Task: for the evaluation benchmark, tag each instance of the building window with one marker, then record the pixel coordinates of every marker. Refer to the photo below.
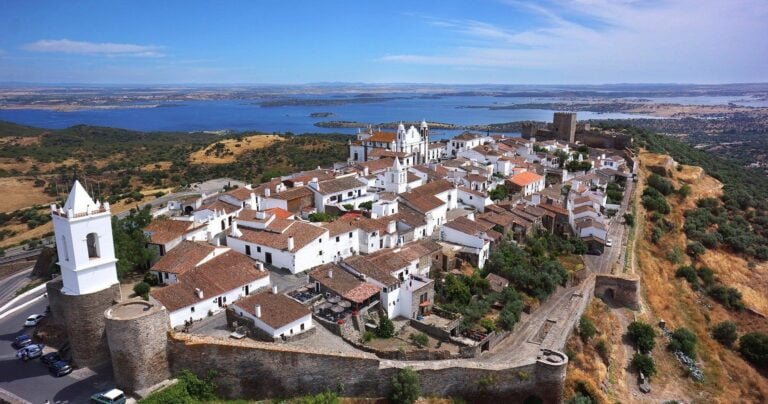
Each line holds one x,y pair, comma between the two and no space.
258,249
302,327
66,250
92,241
192,309
350,234
350,193
165,275
338,239
247,250
320,252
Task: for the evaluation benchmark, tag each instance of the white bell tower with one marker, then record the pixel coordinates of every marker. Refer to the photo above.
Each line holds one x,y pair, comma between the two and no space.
83,231
396,178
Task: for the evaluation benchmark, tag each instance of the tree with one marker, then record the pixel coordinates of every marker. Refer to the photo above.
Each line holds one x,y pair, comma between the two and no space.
684,191
683,340
405,387
629,219
642,336
386,328
725,333
688,273
130,241
141,289
754,347
498,193
456,291
587,328
728,297
695,249
644,364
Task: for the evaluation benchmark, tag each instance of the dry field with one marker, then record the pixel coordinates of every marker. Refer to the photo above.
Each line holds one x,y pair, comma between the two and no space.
232,149
19,192
9,164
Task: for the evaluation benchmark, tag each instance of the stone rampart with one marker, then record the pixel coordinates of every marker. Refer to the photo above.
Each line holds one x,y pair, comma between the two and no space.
256,370
623,290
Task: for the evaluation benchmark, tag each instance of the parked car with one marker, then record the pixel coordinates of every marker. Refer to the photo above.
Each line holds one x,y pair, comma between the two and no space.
33,320
113,396
21,341
60,368
30,351
50,358
609,243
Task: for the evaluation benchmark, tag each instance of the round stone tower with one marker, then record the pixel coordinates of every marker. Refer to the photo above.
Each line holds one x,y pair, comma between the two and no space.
137,334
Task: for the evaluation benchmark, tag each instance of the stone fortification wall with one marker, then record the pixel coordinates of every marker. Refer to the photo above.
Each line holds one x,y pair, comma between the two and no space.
625,291
137,333
256,370
84,321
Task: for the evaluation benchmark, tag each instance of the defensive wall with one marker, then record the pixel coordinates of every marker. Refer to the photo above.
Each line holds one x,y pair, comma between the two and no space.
623,290
256,370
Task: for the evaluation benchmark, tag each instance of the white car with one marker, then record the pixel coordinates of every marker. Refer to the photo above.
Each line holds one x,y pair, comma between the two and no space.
608,243
33,320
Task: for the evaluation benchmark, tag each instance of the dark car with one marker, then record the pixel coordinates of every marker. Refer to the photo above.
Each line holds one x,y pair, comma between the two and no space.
60,368
50,358
21,341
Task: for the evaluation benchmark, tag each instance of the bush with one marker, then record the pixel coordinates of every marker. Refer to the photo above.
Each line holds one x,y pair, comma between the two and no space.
695,249
327,397
661,184
643,364
321,217
642,336
725,333
142,289
367,336
689,274
602,349
348,206
684,191
674,255
488,324
405,388
587,328
365,205
150,279
580,398
386,328
189,389
706,275
728,297
683,340
754,347
421,340
629,219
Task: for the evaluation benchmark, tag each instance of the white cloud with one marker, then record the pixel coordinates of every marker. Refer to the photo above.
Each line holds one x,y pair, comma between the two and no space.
615,40
93,48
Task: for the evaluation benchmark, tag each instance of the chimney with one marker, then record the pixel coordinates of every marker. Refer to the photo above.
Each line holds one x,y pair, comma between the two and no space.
257,310
260,266
199,293
314,184
330,273
267,192
391,227
290,243
274,290
471,216
261,215
234,231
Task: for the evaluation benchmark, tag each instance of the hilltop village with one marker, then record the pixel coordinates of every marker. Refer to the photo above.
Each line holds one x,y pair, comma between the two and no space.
323,261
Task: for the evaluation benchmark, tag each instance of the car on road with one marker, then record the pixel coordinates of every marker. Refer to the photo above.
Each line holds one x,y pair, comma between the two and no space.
609,243
60,368
50,358
30,351
113,396
21,341
33,320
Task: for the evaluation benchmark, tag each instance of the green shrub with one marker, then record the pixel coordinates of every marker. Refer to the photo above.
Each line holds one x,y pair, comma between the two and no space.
683,340
488,324
706,275
642,336
754,347
644,363
684,191
386,328
327,397
366,205
405,387
601,346
321,217
689,274
142,289
587,328
367,336
189,389
580,398
348,206
629,219
728,297
695,249
674,255
420,340
725,333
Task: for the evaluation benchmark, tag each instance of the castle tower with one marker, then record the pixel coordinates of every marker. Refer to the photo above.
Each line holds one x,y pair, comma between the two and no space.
88,284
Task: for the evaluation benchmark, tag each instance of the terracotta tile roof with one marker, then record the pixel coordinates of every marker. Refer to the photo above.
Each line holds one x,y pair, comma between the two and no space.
421,203
241,194
221,274
584,208
466,136
375,166
476,178
277,309
472,191
162,231
340,226
437,145
280,213
184,257
409,216
378,265
382,137
585,222
343,283
306,176
379,152
277,234
504,219
271,185
467,226
338,185
293,193
219,206
554,208
250,215
417,249
525,178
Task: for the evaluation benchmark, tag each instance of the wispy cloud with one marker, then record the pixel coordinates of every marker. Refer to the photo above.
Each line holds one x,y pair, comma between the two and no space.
93,48
606,40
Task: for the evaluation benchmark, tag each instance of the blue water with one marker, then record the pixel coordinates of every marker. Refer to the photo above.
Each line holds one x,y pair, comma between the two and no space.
242,115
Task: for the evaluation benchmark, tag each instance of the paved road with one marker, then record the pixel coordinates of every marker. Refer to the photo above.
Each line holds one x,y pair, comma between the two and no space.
11,284
31,380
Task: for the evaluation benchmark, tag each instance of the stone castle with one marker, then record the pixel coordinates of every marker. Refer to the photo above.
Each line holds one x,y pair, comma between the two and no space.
564,127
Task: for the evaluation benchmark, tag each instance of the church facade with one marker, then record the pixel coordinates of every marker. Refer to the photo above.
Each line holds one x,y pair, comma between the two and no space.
410,145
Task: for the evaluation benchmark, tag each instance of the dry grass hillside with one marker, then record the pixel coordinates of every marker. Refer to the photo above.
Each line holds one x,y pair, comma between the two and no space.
728,378
227,150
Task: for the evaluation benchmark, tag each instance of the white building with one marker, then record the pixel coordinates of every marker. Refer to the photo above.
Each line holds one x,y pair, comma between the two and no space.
274,314
433,200
527,183
472,236
86,253
341,191
412,144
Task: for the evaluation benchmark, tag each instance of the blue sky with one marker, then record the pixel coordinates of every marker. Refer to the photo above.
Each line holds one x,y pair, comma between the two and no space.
446,41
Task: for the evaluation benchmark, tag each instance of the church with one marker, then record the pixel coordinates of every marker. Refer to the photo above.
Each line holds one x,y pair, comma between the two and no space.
411,146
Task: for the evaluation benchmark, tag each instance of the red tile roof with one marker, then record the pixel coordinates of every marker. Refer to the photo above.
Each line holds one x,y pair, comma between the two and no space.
277,310
184,257
525,178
